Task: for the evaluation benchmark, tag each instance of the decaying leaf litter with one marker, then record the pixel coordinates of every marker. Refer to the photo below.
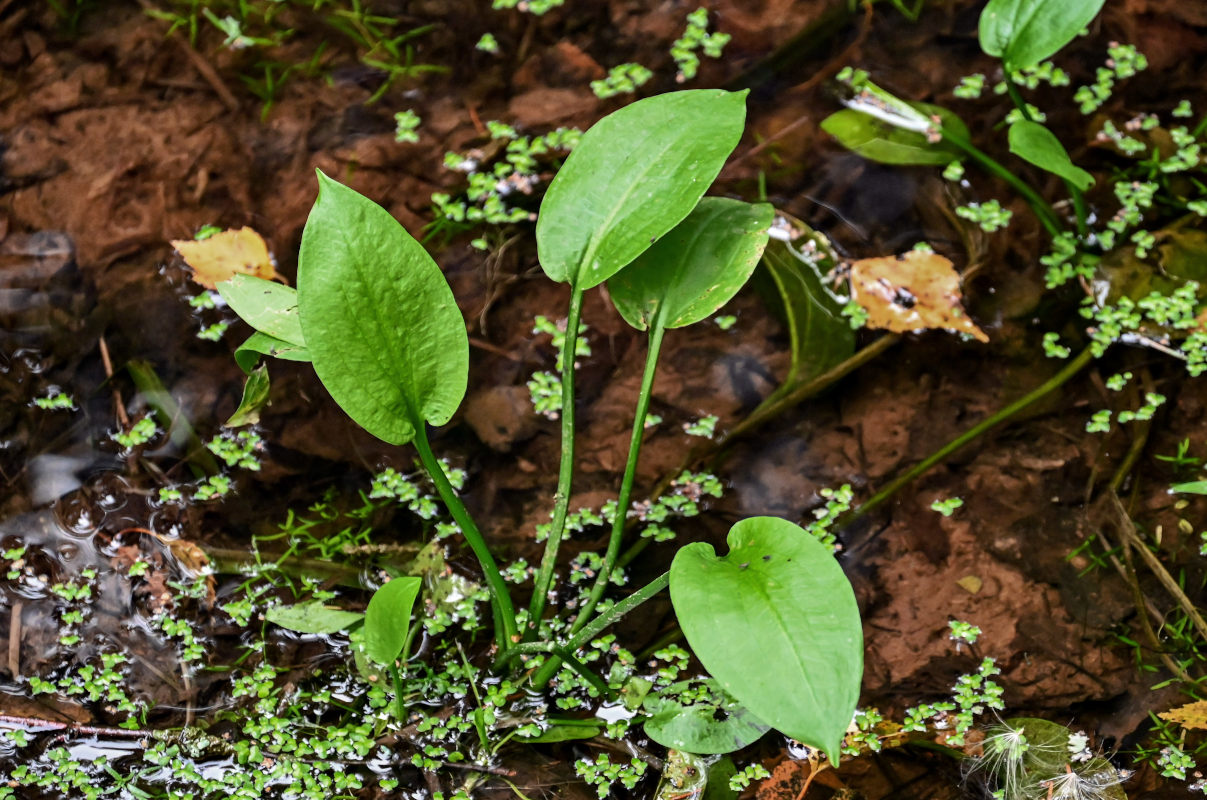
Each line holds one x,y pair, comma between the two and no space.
190,161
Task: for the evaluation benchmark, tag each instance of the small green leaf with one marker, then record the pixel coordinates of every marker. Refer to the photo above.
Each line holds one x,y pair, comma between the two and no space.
388,619
1033,142
695,268
266,306
312,617
632,177
565,731
819,334
722,725
878,140
255,397
259,344
1023,33
1194,487
380,322
776,623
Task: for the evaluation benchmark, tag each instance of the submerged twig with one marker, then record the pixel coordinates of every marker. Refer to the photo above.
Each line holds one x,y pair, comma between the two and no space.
1041,391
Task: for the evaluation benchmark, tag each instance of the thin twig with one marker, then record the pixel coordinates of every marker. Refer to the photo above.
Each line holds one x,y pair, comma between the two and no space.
119,406
1128,529
203,67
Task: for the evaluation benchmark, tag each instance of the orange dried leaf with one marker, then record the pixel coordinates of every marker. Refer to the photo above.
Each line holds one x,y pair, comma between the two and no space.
1192,716
226,254
915,291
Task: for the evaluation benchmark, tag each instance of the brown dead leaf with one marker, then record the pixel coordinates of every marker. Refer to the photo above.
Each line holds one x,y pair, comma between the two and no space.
915,291
1192,716
225,254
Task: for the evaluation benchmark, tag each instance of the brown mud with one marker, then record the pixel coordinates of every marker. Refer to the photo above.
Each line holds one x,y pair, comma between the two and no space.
115,139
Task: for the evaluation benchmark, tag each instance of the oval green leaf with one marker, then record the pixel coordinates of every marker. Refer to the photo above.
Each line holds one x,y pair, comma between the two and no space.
721,725
880,141
632,177
1033,142
380,321
266,306
388,619
1023,33
776,623
695,268
312,617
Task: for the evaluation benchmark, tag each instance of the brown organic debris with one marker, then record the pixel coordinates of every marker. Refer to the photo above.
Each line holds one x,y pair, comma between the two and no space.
226,254
915,291
1192,716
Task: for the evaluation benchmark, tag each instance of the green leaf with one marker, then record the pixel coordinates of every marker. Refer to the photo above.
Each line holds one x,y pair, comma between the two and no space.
255,397
266,306
388,619
718,780
262,344
721,725
565,731
312,617
1033,142
776,623
1023,33
695,268
380,322
881,141
819,334
632,177
1194,487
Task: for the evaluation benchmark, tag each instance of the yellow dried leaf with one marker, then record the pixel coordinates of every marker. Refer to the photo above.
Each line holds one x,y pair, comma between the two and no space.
225,254
1192,716
911,292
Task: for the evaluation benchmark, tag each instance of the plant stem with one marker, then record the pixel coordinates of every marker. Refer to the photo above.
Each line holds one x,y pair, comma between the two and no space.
561,500
1047,387
1047,216
777,403
626,484
500,598
400,709
599,624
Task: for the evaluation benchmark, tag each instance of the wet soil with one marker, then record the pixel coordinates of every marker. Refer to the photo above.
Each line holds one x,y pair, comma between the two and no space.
115,139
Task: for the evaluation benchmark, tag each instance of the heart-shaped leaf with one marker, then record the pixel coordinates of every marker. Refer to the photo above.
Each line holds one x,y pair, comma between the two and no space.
1033,142
879,140
266,306
312,617
1023,33
388,619
632,177
379,320
695,268
776,623
718,725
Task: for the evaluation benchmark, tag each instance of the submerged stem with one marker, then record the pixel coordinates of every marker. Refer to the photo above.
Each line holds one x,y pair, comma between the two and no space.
1047,387
500,598
626,484
561,501
1047,216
